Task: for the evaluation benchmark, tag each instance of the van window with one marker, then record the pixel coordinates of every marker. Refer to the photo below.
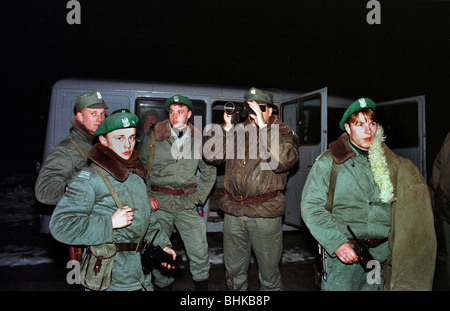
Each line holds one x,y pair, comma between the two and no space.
217,111
303,116
151,111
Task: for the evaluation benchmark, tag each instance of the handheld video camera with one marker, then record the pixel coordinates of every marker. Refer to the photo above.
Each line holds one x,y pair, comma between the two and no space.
234,108
238,110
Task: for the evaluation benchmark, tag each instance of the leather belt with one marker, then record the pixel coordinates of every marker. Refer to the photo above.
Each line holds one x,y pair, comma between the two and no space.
184,190
370,243
130,247
240,199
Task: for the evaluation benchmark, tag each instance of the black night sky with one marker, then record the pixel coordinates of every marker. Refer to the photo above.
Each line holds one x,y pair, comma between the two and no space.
296,45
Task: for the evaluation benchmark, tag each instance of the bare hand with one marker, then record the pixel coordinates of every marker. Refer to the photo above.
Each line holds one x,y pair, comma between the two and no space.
169,251
258,116
346,254
154,203
122,217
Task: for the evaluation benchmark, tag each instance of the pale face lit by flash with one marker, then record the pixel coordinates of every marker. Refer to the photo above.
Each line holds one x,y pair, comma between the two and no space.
121,141
179,116
362,132
91,118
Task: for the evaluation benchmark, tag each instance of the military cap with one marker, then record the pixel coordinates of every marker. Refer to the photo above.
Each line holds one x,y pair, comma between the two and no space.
355,107
179,100
119,119
258,96
90,100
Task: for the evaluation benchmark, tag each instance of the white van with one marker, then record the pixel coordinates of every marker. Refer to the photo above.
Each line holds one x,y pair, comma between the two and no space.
314,116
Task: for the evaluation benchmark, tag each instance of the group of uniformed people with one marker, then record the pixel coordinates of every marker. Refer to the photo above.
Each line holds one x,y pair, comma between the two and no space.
381,196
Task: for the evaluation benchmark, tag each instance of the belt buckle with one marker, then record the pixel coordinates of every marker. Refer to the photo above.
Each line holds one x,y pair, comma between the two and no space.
240,199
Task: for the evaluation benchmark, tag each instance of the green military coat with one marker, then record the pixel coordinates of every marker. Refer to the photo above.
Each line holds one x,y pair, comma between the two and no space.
173,168
83,216
407,222
62,165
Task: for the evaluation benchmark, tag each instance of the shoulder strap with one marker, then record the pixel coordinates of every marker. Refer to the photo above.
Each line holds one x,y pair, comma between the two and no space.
332,187
79,149
151,151
108,183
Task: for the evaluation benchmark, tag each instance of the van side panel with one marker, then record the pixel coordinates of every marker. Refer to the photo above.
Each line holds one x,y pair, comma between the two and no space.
125,94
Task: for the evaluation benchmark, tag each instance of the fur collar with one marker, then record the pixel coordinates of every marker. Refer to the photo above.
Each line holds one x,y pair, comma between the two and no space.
162,130
113,166
80,127
341,152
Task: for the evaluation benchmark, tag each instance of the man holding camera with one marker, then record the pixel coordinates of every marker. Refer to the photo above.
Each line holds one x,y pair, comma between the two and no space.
253,201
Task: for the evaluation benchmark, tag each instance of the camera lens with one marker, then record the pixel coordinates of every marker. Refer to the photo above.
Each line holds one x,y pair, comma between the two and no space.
229,107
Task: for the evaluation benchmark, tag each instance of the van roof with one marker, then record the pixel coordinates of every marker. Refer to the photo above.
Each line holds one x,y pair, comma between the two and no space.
211,90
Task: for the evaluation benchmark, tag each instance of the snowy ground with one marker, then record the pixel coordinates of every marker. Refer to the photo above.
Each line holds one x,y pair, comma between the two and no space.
16,224
20,243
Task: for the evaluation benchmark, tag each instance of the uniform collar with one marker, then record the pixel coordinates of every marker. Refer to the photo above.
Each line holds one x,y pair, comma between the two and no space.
113,165
81,128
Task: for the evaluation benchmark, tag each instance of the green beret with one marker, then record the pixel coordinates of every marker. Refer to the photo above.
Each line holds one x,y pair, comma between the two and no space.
258,96
179,100
119,119
91,100
355,107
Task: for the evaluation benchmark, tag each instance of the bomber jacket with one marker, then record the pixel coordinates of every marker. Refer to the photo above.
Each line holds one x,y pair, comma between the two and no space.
62,165
83,216
262,170
177,168
407,221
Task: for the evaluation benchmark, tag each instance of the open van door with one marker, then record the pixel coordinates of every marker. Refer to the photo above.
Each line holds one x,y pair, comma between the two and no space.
307,117
403,121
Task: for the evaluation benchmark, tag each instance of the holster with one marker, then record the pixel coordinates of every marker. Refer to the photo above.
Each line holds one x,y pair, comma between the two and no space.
76,253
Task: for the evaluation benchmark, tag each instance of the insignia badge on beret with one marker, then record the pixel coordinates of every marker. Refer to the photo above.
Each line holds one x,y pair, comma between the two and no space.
179,99
125,122
121,118
362,103
356,106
